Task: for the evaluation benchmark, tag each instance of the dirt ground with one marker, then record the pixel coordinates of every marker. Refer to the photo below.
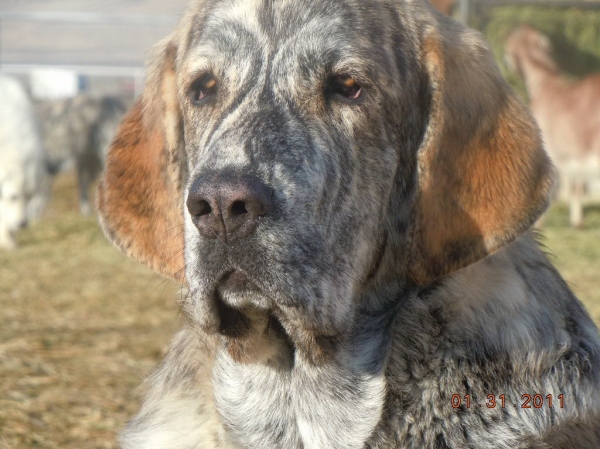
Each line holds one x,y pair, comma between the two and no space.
81,326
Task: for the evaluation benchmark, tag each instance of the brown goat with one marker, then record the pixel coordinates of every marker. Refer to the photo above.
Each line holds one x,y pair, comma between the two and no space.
568,113
444,6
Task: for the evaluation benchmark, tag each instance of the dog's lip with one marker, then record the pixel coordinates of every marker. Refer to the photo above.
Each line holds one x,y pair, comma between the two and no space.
236,280
239,289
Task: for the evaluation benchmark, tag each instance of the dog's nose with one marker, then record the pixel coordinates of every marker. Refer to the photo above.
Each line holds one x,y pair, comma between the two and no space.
23,224
227,206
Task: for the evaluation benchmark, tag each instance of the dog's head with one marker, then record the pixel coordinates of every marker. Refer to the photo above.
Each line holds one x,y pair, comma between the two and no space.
298,159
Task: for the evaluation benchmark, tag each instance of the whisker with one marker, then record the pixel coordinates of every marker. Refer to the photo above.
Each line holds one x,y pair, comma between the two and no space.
182,301
217,237
175,253
175,227
178,234
164,281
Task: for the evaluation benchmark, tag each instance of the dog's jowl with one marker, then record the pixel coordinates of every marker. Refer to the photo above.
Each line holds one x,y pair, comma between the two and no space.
345,188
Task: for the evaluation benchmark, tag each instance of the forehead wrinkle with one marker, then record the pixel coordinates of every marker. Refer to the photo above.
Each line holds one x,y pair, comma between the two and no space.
280,18
317,53
241,13
357,39
218,42
231,34
324,31
321,28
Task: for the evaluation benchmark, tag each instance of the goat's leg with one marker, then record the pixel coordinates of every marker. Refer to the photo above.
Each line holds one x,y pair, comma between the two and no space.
7,240
83,179
576,204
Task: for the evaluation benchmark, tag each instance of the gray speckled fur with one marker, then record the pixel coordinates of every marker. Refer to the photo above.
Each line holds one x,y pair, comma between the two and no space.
487,329
338,347
77,132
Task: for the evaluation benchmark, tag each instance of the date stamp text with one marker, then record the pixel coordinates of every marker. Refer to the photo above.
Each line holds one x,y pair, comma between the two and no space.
527,401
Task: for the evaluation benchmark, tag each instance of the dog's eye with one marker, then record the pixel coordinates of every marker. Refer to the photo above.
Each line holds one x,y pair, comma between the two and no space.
203,87
346,86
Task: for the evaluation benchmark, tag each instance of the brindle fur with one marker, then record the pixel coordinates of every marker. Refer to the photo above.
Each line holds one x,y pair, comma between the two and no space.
394,269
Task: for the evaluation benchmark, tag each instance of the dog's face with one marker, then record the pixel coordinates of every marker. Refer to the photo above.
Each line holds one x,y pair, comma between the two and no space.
293,97
319,154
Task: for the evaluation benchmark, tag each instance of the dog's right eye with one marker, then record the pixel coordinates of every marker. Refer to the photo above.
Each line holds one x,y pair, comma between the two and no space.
345,86
202,88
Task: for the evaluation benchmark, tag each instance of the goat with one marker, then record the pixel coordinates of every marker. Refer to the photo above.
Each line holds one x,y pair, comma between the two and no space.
568,114
24,186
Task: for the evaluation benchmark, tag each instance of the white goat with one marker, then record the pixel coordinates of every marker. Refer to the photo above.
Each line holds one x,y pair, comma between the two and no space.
23,173
568,113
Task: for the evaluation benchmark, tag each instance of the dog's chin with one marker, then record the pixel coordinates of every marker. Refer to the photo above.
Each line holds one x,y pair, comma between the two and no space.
254,329
237,290
244,318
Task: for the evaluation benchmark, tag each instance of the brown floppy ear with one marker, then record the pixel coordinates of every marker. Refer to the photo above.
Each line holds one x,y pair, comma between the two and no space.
140,196
483,175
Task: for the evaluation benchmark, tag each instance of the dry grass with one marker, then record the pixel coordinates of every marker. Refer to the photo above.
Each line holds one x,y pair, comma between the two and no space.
81,326
576,253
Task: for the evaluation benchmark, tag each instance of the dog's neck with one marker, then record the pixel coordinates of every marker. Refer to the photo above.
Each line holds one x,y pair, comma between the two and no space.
337,403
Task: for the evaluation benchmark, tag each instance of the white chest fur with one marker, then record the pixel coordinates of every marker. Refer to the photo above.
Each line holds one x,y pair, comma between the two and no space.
329,407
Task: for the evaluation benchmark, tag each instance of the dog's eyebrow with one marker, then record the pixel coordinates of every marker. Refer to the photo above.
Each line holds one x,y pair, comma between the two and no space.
215,44
355,66
198,60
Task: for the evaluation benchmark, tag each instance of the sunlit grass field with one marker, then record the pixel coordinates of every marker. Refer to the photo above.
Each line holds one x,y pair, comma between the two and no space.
81,325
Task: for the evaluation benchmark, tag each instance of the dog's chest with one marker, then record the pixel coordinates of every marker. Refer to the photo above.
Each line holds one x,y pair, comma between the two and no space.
325,408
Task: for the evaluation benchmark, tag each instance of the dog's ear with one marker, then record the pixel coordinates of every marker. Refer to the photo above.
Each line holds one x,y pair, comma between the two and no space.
483,175
139,196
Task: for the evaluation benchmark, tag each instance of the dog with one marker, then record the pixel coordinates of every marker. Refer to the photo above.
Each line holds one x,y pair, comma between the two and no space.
567,113
24,187
346,189
77,133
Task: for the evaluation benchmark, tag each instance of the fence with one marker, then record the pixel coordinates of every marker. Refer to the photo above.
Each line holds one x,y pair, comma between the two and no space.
88,44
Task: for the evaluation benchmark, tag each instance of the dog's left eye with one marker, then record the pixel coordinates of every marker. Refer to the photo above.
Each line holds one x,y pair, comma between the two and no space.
345,86
203,87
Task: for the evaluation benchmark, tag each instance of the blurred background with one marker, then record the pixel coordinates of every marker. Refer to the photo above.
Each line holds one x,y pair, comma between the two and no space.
81,326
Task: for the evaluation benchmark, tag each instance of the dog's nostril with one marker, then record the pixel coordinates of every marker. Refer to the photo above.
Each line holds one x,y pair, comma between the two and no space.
203,209
198,208
238,208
